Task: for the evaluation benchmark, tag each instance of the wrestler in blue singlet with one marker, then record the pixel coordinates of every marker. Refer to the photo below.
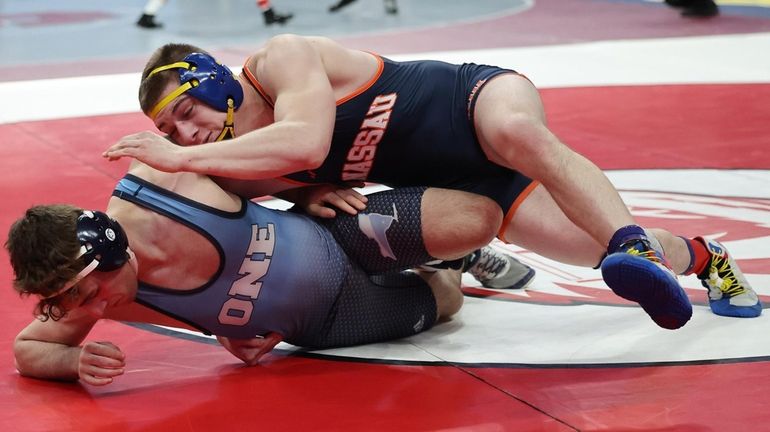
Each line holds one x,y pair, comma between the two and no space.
284,272
413,126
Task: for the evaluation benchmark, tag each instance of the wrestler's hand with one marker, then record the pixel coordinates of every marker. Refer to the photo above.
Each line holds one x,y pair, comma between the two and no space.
250,350
150,148
320,200
99,362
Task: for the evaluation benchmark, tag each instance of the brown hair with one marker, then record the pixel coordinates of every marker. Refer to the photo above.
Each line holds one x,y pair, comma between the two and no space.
43,247
151,88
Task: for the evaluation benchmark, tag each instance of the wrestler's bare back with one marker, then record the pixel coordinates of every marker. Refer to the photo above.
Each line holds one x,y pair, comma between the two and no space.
165,248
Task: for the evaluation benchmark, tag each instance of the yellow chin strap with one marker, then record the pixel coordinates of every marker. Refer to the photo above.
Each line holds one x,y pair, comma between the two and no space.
228,131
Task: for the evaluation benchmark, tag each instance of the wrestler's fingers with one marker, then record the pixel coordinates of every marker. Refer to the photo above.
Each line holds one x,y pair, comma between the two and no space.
320,211
122,152
247,351
103,362
99,376
251,356
353,193
94,371
95,380
266,345
104,349
339,202
114,149
353,198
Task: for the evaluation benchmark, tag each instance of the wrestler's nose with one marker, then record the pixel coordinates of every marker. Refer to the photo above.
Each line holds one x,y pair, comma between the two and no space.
187,133
96,308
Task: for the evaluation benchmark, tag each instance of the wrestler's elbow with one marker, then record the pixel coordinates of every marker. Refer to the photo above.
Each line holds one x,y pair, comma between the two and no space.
22,357
314,154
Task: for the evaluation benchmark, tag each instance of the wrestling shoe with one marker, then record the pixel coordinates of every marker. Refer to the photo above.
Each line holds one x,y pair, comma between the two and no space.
730,294
640,273
498,270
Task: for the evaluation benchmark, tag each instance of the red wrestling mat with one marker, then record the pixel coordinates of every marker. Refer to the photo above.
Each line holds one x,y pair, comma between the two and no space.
181,385
675,126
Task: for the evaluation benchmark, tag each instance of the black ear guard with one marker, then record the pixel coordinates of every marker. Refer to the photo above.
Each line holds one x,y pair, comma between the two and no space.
103,239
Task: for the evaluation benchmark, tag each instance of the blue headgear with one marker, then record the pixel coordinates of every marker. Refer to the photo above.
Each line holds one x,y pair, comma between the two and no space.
207,81
102,240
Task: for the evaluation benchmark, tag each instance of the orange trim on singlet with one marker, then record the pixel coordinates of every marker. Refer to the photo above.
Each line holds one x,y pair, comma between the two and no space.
254,82
257,86
368,84
515,206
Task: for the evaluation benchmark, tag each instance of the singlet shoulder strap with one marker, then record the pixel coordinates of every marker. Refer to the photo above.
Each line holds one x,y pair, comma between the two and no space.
365,86
257,86
177,207
255,83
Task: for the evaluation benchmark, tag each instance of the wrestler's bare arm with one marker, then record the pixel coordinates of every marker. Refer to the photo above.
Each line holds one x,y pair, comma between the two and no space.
51,350
292,72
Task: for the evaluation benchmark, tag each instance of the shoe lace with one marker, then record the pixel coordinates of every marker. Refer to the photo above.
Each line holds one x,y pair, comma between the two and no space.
642,249
488,266
721,276
649,254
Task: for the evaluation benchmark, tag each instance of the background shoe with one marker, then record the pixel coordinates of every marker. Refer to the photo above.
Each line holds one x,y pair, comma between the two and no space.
271,17
339,5
390,7
700,9
730,294
640,275
678,3
498,270
148,22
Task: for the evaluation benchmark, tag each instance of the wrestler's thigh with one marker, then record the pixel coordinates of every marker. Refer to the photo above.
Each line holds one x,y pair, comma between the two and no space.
505,99
540,226
367,312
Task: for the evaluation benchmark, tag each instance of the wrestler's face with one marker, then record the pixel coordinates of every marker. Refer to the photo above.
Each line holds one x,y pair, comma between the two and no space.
188,121
99,291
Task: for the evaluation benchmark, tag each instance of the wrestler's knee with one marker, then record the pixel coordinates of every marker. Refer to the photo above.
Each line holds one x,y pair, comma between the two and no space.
487,217
521,130
460,216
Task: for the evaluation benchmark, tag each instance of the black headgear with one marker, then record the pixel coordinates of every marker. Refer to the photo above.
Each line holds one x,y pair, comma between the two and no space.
103,239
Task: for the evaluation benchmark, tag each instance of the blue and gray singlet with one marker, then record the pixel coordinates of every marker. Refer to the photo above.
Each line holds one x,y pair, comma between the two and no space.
286,273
